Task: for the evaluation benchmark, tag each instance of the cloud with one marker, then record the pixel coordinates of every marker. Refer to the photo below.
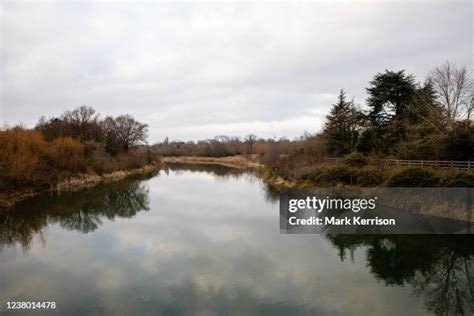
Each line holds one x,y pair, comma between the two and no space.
196,70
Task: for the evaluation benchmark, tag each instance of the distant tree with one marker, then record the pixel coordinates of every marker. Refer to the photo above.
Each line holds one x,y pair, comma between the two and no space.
218,149
250,141
123,132
83,123
222,138
390,95
52,128
454,88
340,130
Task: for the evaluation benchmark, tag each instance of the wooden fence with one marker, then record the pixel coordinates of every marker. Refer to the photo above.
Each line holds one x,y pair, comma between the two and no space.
432,163
445,164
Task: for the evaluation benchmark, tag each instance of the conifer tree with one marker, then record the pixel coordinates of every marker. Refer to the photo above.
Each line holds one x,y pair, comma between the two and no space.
390,95
340,130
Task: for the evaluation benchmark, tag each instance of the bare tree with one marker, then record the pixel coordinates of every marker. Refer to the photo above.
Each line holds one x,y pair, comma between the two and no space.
123,132
250,140
470,107
453,86
82,123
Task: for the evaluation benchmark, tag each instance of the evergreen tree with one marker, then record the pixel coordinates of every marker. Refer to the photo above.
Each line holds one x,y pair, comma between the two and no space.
340,130
391,104
390,95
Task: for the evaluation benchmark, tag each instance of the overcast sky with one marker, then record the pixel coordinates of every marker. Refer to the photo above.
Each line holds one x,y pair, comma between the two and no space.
193,71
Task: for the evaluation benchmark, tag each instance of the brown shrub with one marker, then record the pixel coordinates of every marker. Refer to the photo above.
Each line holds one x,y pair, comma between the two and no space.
67,154
21,152
28,160
101,162
131,160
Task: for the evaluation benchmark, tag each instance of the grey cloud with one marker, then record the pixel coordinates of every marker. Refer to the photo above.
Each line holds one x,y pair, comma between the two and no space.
197,70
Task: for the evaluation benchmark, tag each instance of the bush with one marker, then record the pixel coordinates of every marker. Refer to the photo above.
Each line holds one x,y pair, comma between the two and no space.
356,159
130,160
101,162
370,176
21,152
67,154
28,160
367,141
330,175
413,177
459,144
459,179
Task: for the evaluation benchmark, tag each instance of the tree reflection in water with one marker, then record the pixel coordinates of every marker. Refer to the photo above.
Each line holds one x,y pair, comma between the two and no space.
219,171
440,268
81,210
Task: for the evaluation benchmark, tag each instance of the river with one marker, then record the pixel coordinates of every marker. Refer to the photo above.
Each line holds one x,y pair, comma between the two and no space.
205,240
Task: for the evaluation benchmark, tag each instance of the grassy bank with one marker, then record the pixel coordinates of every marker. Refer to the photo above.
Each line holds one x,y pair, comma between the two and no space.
239,162
351,173
328,175
357,171
10,197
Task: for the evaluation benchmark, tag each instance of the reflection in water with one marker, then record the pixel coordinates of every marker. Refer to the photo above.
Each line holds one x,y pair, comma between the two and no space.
210,244
440,268
215,170
220,172
82,210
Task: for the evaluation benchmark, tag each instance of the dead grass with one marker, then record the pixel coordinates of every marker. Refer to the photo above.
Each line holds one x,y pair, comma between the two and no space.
10,198
239,162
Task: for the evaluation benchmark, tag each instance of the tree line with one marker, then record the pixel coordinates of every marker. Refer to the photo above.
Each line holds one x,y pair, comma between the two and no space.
401,119
76,142
406,119
117,134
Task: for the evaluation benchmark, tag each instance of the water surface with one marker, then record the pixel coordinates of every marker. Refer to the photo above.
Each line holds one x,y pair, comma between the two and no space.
205,240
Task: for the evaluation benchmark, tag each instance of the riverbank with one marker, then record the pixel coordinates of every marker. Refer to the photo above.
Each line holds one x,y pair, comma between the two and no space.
287,174
340,175
239,162
8,198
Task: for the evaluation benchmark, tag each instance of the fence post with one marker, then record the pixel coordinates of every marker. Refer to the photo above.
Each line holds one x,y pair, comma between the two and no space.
409,162
452,164
469,165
